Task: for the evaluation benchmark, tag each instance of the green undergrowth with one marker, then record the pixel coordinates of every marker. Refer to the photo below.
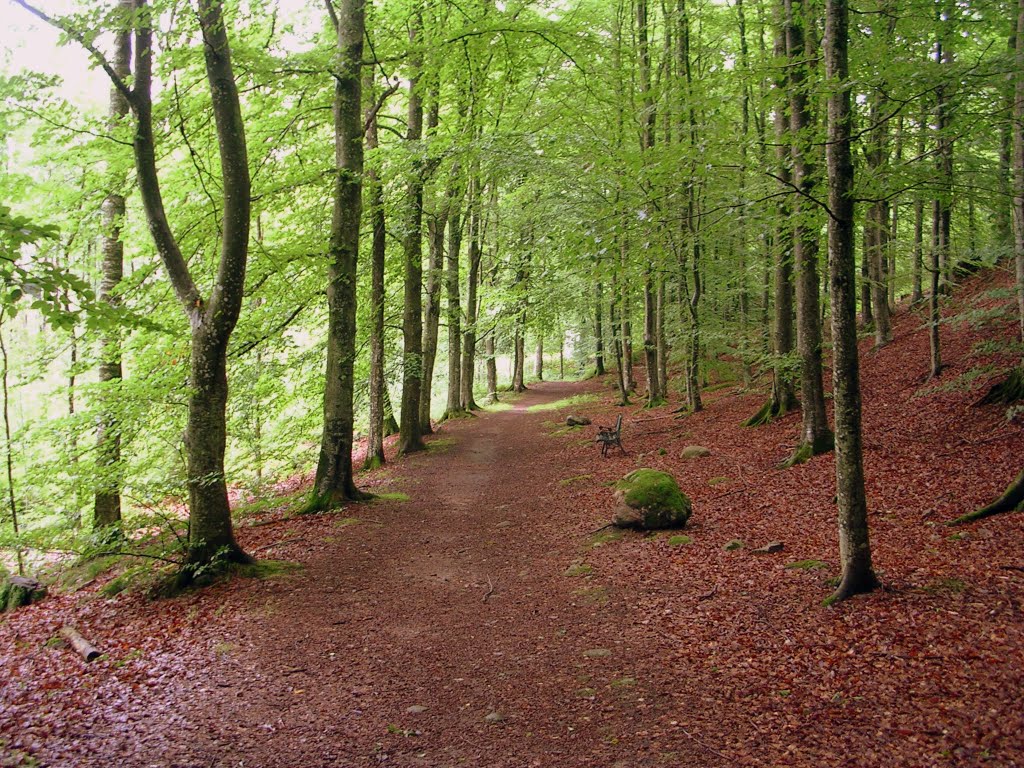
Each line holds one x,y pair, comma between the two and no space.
287,502
566,402
679,540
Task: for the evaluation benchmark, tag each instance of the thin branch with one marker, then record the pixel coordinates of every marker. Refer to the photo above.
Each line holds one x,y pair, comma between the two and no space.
65,26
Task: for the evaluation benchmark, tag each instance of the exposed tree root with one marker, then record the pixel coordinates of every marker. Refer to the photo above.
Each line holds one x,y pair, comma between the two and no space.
853,584
1011,500
805,451
770,411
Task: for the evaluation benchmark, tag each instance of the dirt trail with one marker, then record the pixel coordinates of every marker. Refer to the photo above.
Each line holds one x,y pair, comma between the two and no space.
405,638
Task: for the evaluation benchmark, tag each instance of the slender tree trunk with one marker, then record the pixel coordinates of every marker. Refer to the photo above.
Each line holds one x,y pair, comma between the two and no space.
538,358
492,368
410,432
598,329
8,445
815,437
659,329
378,387
468,376
107,501
454,315
1018,166
432,313
620,369
854,545
334,482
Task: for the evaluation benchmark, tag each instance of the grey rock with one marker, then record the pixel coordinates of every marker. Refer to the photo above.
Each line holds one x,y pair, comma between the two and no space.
770,548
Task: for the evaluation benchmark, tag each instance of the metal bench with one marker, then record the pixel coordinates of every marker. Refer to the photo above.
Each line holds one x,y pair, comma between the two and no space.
609,436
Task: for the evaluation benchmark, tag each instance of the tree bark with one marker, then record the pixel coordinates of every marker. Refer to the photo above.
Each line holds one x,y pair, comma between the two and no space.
599,329
492,368
436,226
378,387
410,433
468,375
453,314
854,545
1018,164
334,482
107,501
816,437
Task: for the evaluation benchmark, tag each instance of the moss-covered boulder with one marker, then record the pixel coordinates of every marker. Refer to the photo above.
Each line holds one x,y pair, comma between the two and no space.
648,500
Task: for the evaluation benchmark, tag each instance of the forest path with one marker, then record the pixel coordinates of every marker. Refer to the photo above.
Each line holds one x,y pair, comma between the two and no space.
422,622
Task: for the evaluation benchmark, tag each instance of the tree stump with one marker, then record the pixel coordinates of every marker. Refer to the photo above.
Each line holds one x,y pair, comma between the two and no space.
17,591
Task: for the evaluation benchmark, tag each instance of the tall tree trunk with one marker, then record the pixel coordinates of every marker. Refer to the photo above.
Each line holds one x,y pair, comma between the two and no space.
432,312
1018,164
816,437
12,500
107,501
334,482
783,396
662,341
620,368
378,387
454,314
468,375
492,368
854,545
410,432
598,329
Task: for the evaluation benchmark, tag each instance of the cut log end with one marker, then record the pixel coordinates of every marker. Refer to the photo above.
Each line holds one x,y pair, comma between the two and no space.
81,646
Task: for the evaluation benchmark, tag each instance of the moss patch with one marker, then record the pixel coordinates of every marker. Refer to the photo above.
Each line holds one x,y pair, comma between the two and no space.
807,565
605,537
567,402
650,499
267,569
678,541
579,569
440,444
575,479
391,496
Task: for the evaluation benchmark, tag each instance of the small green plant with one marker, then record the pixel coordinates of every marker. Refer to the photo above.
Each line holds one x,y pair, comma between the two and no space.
605,537
579,569
679,540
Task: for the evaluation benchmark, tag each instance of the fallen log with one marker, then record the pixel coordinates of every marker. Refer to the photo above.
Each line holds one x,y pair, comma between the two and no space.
82,647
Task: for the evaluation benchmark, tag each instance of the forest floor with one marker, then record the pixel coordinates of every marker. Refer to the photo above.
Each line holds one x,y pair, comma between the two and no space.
486,621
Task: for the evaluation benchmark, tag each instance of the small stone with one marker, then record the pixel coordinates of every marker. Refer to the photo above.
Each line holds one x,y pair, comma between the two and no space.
770,548
597,653
494,717
577,421
694,452
415,709
733,545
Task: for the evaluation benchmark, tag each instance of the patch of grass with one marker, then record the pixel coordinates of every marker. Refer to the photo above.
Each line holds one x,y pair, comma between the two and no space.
391,496
596,595
267,569
579,569
719,480
574,479
440,444
55,642
605,537
565,430
807,565
84,571
223,648
345,522
566,402
287,502
623,682
949,585
679,540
